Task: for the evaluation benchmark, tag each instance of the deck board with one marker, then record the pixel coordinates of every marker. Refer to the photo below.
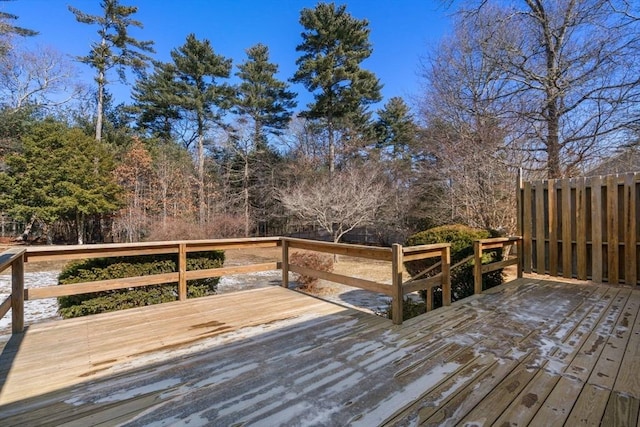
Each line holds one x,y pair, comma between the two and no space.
529,352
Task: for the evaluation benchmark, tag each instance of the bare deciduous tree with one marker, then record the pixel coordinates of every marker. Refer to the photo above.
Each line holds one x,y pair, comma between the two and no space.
568,69
42,78
467,109
337,203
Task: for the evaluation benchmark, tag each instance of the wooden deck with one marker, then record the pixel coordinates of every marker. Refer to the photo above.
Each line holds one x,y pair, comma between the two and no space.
529,352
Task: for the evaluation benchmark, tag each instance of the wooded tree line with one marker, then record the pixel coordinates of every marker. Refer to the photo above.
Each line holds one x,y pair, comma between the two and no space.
548,86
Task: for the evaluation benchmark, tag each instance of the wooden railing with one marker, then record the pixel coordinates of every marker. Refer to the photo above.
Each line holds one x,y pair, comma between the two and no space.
396,255
14,258
479,246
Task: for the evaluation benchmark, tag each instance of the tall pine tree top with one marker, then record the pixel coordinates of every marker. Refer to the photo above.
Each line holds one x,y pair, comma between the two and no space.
334,44
116,48
261,95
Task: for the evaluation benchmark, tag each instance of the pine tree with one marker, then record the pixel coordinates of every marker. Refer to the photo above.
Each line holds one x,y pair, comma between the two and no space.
334,45
268,103
116,48
60,174
153,102
396,131
198,93
261,95
7,29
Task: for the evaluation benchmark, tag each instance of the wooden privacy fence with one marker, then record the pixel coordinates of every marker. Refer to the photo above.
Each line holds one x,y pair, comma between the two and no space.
15,258
586,228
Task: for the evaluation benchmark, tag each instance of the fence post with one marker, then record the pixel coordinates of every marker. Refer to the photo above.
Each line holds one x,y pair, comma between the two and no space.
396,283
17,295
520,258
519,219
285,263
446,275
182,271
477,267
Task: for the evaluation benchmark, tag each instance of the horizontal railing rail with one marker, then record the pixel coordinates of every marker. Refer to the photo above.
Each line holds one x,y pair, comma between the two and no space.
358,251
479,246
441,280
397,255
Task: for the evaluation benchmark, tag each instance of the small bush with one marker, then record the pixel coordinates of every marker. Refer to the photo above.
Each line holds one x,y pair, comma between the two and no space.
122,267
461,238
314,261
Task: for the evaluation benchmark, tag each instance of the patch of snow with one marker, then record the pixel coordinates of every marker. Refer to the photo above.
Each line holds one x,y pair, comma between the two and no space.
230,372
34,311
125,394
241,282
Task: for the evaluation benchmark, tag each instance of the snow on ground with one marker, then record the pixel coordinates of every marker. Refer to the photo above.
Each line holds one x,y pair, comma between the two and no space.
34,311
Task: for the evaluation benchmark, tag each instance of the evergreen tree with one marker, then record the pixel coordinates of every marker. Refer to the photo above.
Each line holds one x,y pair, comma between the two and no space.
334,44
7,29
268,104
154,104
396,131
116,48
197,92
261,96
60,174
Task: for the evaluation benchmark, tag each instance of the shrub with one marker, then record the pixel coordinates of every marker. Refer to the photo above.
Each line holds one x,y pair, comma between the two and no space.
461,238
314,261
122,267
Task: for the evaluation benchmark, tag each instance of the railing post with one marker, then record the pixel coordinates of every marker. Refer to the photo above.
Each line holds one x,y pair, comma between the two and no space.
520,257
17,295
446,275
396,283
285,263
477,267
182,271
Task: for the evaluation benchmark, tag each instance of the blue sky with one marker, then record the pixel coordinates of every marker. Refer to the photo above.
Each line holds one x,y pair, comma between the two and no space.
401,31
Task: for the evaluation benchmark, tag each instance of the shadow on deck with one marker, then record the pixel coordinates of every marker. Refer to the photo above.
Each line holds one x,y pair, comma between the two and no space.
528,352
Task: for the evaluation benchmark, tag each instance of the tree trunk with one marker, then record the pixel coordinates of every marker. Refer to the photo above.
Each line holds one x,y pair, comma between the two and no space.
245,185
80,227
201,202
100,106
553,116
24,237
332,147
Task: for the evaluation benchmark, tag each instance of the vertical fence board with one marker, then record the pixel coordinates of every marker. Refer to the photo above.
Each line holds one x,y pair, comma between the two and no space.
581,228
612,229
526,227
567,259
596,230
519,216
553,228
630,244
540,229
590,224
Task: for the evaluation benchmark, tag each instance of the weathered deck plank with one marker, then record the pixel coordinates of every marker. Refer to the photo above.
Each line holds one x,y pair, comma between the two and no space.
527,352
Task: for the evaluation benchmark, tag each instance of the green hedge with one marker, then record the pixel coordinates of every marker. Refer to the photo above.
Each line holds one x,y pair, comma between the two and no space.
461,238
122,267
